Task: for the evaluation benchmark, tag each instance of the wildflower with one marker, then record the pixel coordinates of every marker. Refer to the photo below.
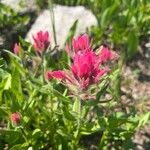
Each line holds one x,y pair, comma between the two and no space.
15,118
41,41
84,71
57,74
17,48
106,55
48,75
80,44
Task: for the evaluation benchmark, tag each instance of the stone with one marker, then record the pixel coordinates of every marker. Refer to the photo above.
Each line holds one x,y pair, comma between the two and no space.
64,19
1,40
147,51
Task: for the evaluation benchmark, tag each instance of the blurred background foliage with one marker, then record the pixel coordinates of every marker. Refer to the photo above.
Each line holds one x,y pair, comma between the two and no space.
13,23
123,25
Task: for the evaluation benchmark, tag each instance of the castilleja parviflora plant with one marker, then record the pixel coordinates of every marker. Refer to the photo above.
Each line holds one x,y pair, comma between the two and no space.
52,100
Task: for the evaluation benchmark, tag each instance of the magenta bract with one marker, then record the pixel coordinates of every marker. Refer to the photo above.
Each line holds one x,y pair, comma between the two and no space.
41,41
86,70
80,44
17,49
107,55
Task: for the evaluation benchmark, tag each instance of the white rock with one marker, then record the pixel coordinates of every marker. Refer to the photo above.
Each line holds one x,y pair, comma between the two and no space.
64,19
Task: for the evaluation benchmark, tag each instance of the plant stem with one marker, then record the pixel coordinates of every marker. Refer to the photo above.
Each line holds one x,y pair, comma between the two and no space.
50,3
43,67
24,135
77,136
101,144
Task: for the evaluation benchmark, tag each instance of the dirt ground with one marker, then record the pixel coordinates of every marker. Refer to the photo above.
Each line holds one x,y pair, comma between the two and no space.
136,87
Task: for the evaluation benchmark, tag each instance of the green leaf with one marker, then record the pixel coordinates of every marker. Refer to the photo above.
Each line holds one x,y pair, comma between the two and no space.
102,91
72,31
91,127
108,14
77,106
144,119
114,75
16,147
64,134
16,62
26,119
68,115
12,55
23,146
16,86
4,111
36,133
25,44
1,62
105,18
132,44
60,96
7,80
9,136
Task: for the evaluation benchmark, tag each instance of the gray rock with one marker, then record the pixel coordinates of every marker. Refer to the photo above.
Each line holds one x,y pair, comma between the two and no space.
21,5
147,52
64,19
1,40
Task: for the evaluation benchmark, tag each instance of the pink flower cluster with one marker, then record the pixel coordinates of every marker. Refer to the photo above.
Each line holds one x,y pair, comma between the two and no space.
41,41
80,44
87,67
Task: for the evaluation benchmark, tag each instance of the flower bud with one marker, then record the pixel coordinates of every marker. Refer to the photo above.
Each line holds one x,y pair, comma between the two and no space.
41,41
15,118
80,44
17,48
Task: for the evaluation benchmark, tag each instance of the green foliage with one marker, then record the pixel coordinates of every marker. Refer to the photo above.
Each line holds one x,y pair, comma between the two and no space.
50,118
11,23
72,32
9,17
121,24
